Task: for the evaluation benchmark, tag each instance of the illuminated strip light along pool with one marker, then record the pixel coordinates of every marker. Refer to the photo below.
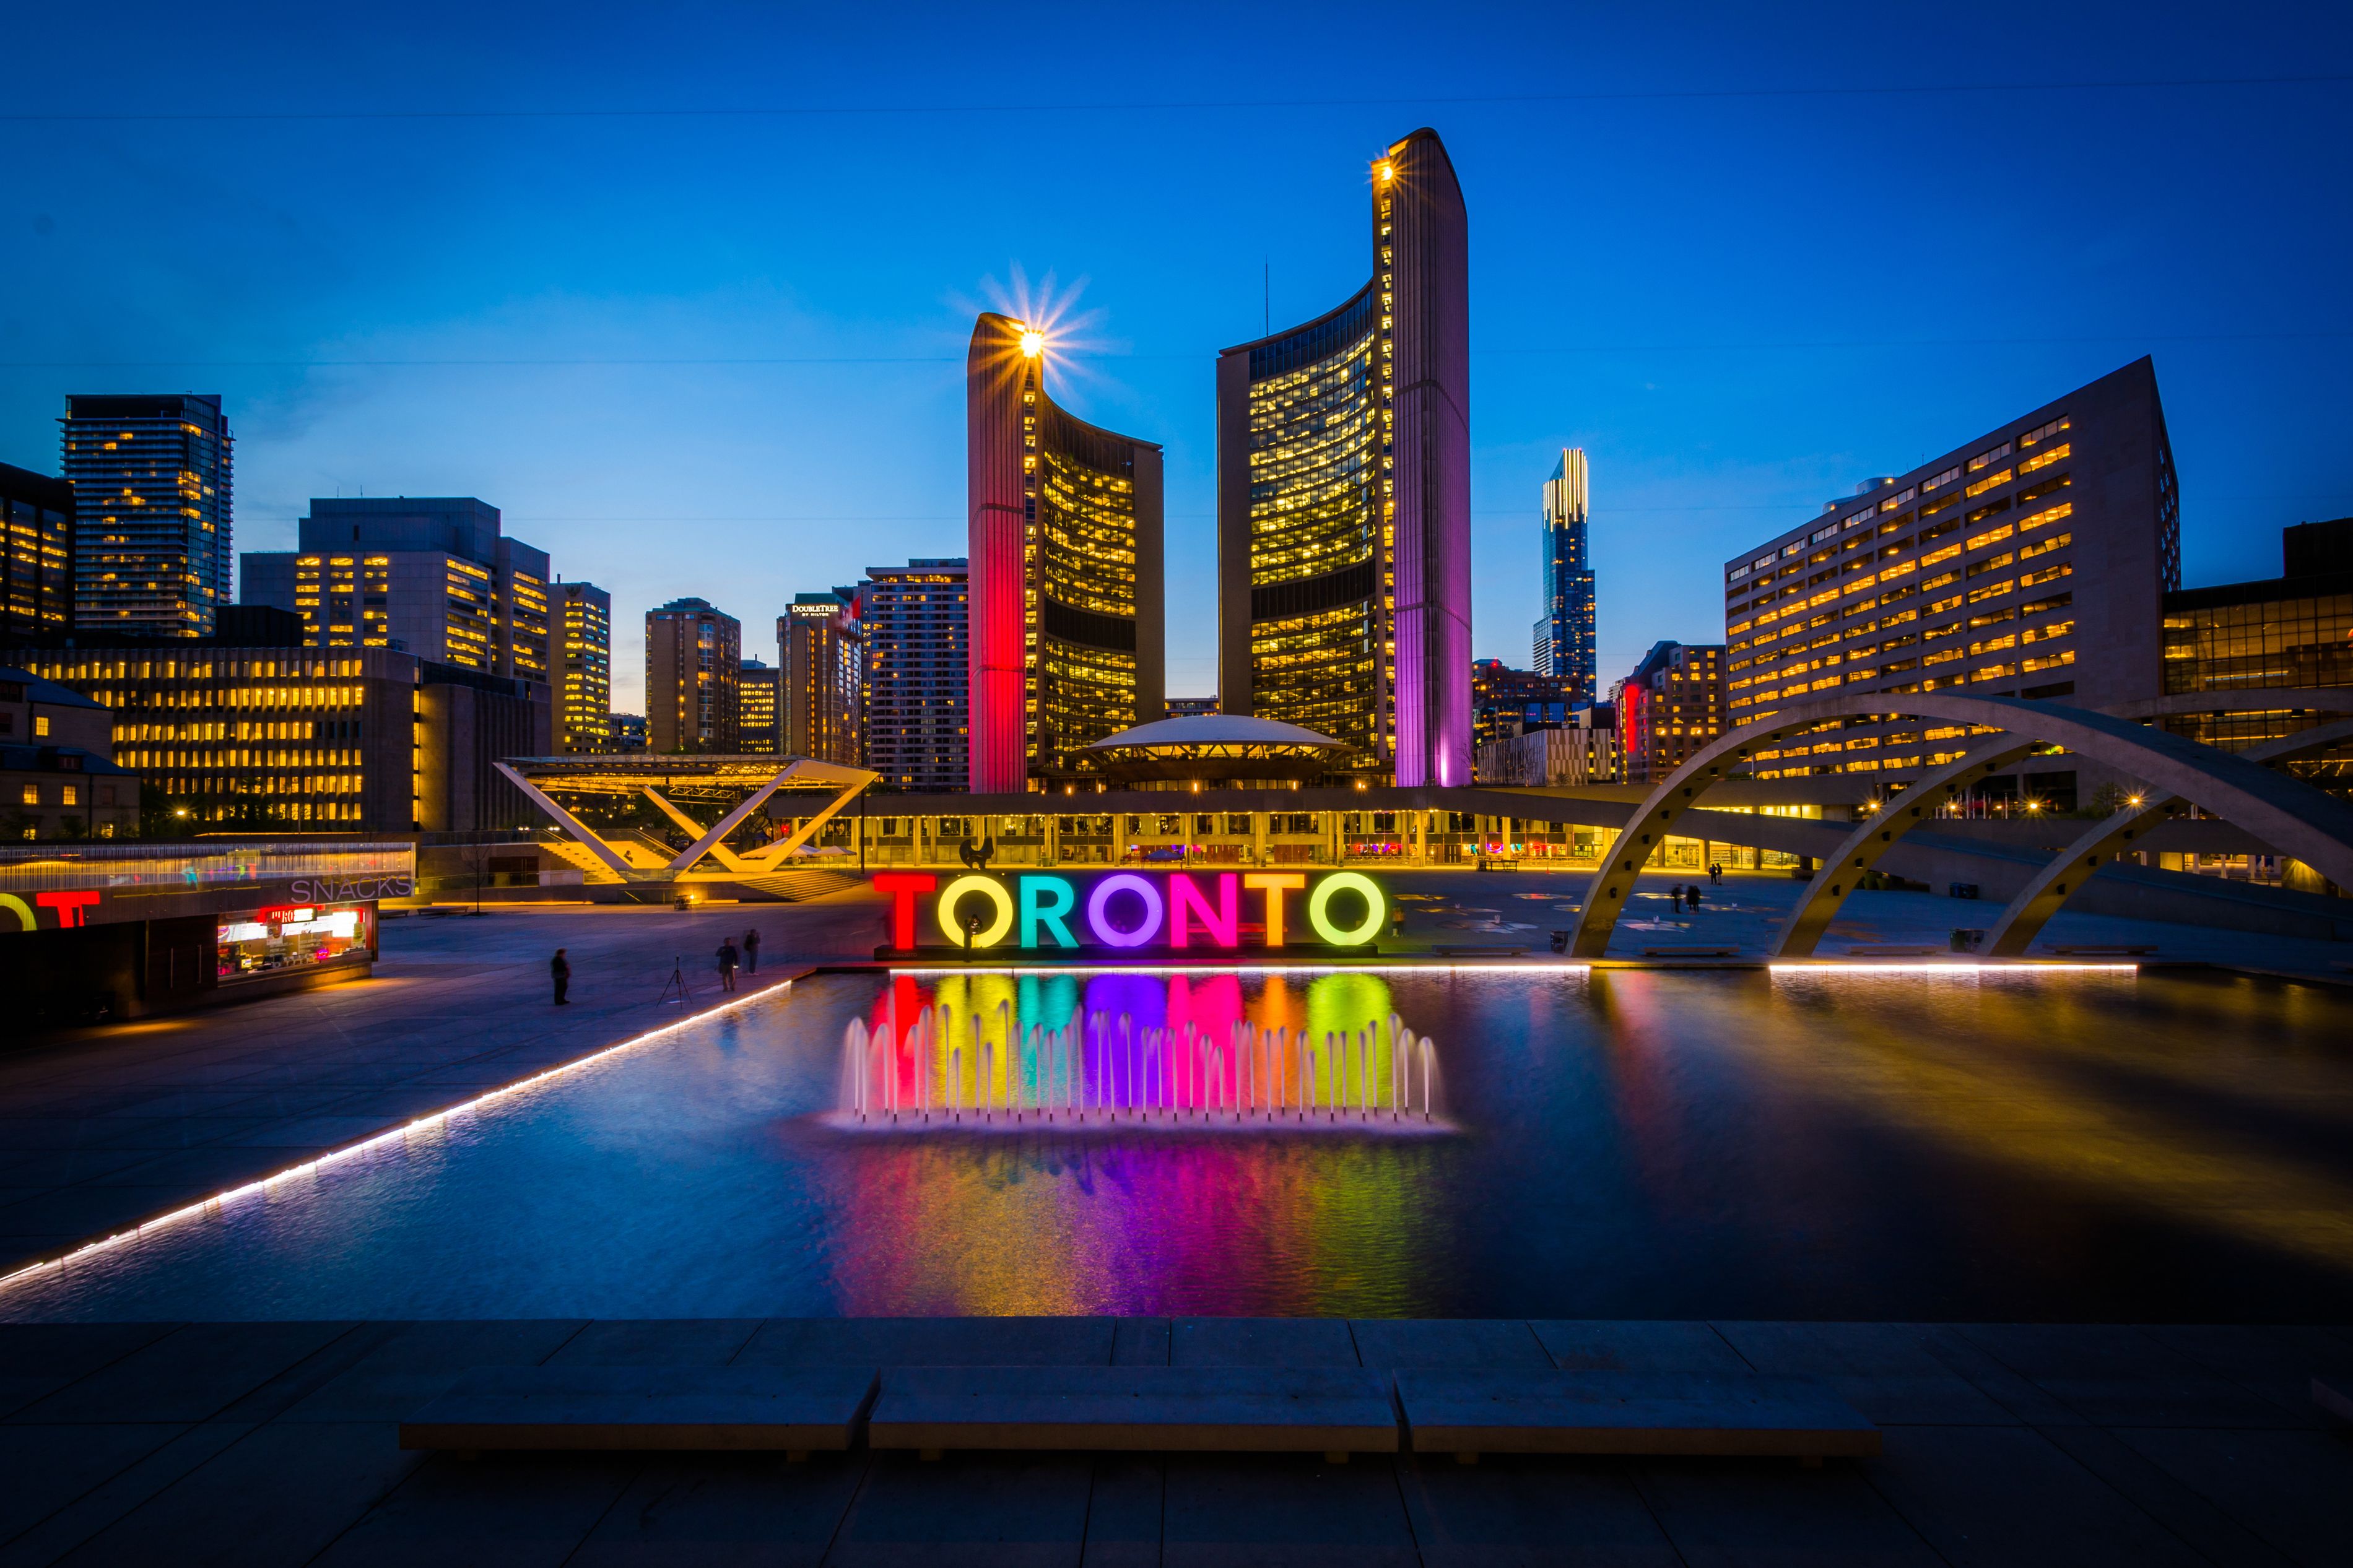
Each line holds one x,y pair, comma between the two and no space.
944,1070
370,1145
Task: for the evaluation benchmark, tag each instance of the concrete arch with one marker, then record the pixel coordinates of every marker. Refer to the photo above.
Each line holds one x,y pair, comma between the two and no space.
2299,820
2023,918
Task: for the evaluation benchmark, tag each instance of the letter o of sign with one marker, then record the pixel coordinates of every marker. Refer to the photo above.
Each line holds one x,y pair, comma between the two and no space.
1098,911
1319,904
988,888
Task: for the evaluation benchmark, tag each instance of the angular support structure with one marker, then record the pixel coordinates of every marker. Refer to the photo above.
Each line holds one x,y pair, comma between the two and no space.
2285,813
1867,844
710,778
774,856
719,852
569,823
2023,918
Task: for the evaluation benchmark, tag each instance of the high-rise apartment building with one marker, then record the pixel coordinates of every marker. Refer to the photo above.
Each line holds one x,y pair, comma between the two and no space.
1067,643
153,512
759,697
1563,643
2031,562
36,567
1668,708
433,576
822,647
694,655
585,690
1343,497
918,688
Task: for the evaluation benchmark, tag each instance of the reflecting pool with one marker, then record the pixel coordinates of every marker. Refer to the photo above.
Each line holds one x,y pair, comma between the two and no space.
1630,1143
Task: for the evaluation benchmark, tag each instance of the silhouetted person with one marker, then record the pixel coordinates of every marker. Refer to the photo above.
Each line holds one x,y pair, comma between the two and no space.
1692,893
727,964
1676,893
751,952
1715,872
561,972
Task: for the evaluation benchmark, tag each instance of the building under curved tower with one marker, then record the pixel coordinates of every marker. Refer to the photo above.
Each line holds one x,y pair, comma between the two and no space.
1344,496
1066,571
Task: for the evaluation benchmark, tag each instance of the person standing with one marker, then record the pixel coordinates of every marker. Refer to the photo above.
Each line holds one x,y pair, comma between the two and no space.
561,972
752,951
1676,893
1692,894
1715,872
727,963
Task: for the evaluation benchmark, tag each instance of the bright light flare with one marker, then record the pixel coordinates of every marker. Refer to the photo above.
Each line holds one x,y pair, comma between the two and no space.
1033,342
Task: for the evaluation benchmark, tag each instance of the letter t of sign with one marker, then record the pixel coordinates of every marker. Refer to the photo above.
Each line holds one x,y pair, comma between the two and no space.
1274,884
70,906
902,887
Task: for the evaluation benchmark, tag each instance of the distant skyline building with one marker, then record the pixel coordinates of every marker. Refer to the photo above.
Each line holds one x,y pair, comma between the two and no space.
1507,703
430,575
1344,496
759,693
1065,527
694,656
1563,639
1670,705
583,703
820,708
154,513
1963,574
917,686
629,733
1191,707
36,565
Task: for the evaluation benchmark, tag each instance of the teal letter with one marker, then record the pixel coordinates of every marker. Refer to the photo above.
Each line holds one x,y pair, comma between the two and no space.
1044,901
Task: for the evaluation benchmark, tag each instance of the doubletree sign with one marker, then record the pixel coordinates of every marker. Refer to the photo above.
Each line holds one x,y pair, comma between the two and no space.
1128,911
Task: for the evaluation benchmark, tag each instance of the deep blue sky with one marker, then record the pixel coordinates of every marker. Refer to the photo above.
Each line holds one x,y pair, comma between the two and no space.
1739,292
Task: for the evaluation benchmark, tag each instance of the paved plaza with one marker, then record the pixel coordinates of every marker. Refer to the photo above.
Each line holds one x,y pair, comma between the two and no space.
260,1444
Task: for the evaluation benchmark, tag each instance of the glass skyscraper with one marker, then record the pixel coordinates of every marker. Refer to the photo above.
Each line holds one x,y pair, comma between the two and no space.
1343,497
1066,570
1564,633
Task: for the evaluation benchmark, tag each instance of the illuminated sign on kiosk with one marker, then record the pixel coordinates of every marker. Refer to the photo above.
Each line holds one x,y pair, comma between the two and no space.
1184,912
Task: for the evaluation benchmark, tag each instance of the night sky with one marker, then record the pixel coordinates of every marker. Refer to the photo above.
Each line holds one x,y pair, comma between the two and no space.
685,290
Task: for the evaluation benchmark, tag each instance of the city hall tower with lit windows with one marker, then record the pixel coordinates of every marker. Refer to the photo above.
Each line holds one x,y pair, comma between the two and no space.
1343,497
1066,634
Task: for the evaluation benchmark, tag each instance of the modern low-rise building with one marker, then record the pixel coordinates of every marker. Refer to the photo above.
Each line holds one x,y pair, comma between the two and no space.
1191,707
917,690
2031,560
820,703
1065,527
430,577
36,565
629,733
1344,496
153,511
1670,705
584,669
59,779
694,656
1582,751
276,739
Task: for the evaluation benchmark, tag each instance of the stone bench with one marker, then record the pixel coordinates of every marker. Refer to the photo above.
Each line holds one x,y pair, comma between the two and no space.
1893,950
1691,952
1333,1411
796,1409
1512,1411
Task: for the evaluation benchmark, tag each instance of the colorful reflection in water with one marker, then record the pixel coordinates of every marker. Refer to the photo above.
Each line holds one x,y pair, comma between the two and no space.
2164,1147
1126,1049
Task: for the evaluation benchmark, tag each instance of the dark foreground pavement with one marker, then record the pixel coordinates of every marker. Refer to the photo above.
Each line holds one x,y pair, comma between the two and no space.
275,1443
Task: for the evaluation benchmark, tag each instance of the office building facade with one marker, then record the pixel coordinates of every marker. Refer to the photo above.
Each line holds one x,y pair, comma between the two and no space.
629,735
759,699
1066,596
820,707
1506,702
694,654
431,576
226,738
36,564
917,685
583,695
1670,705
2289,633
153,511
58,778
1962,575
1563,641
1581,751
1343,497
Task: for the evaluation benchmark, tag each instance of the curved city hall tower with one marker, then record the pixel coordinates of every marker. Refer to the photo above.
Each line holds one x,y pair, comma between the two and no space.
1066,570
1343,497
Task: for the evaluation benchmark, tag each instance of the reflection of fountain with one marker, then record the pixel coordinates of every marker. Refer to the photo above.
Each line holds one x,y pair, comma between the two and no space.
924,1063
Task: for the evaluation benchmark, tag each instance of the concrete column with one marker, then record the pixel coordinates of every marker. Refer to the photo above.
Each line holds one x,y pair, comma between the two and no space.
1257,838
1118,838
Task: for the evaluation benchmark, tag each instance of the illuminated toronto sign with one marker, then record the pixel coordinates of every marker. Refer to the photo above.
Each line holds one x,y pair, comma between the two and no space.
1178,912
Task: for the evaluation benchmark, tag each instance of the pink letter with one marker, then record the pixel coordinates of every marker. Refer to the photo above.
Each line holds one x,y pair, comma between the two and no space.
1222,925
